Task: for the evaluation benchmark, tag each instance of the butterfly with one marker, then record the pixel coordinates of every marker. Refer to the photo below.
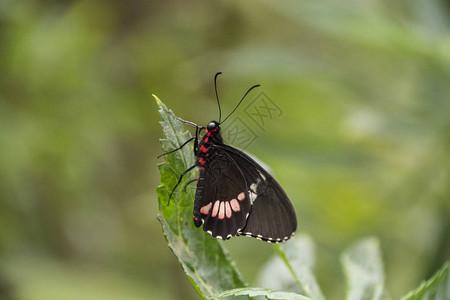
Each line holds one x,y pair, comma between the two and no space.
235,196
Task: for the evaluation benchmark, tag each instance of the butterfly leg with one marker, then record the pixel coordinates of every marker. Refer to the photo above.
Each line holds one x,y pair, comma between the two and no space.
179,180
196,140
192,124
179,148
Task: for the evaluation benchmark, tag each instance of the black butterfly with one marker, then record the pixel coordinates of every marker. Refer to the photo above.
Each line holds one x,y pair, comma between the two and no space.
235,195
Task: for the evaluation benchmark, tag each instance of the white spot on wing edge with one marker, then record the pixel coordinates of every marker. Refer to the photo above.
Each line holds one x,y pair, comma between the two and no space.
266,239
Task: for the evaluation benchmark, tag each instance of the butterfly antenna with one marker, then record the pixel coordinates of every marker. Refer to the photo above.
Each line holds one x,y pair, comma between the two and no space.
217,95
255,86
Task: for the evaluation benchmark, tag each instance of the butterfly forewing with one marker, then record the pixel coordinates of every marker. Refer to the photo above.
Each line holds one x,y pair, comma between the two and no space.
272,217
222,203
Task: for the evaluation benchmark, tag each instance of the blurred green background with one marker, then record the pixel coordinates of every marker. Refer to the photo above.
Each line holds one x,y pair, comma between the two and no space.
362,148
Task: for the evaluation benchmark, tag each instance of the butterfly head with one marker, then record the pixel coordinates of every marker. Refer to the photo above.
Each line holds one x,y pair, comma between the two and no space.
213,126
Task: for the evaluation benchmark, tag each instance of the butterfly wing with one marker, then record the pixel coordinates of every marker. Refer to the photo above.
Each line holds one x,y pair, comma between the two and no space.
272,217
222,201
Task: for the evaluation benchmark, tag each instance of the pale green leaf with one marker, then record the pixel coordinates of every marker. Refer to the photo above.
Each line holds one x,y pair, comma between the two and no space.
298,255
268,293
437,288
364,270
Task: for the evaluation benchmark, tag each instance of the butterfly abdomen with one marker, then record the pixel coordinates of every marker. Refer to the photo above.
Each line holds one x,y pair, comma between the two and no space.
198,195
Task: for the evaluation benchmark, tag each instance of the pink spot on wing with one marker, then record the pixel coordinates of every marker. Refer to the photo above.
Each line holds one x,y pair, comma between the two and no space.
222,210
241,196
235,205
205,209
228,211
215,209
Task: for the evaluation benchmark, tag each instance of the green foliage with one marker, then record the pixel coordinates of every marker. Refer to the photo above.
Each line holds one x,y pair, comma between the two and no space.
213,273
300,258
362,147
268,293
364,269
437,288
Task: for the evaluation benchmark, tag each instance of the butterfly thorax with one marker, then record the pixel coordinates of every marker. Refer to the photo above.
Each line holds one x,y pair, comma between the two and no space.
206,146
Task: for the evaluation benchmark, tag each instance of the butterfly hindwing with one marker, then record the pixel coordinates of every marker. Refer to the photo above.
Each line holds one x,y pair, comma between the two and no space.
272,217
222,202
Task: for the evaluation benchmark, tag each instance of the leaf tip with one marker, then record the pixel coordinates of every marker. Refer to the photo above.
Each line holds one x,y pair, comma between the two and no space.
158,101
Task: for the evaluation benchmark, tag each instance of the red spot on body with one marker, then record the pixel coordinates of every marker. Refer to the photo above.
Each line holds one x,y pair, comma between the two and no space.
215,209
203,148
241,196
235,205
195,218
201,161
206,139
202,169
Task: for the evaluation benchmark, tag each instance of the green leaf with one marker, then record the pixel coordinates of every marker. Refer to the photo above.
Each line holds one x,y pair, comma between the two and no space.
268,293
364,270
437,288
202,257
276,275
298,255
